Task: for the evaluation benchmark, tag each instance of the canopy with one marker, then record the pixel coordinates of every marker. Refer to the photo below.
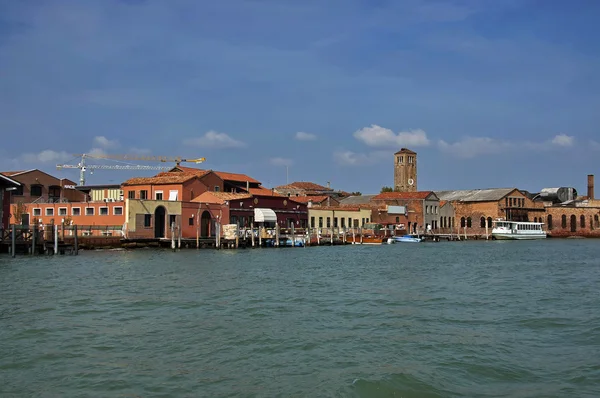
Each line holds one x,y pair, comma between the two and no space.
264,215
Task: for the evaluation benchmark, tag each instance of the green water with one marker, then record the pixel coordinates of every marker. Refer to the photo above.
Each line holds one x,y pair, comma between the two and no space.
472,319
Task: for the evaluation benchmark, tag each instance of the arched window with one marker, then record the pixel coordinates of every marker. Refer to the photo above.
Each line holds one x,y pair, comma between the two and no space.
534,219
573,223
541,219
489,220
596,221
549,221
582,221
469,224
564,221
591,223
482,222
462,222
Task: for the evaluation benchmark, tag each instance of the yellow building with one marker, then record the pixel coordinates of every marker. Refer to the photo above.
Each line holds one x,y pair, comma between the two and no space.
338,217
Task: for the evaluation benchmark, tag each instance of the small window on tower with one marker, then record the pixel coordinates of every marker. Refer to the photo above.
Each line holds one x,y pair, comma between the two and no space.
400,159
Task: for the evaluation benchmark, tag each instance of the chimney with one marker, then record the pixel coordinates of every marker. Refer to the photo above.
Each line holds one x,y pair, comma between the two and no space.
590,192
328,184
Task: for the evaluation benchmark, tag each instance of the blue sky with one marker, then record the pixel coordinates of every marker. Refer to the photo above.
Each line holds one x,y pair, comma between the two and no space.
489,93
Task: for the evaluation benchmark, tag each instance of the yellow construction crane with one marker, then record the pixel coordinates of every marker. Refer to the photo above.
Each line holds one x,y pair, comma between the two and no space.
83,166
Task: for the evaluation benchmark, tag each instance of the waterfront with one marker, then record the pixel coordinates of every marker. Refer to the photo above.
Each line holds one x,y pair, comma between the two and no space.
426,320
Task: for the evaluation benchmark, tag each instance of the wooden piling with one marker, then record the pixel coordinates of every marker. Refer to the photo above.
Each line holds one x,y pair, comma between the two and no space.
55,239
198,236
332,234
237,237
252,233
360,231
486,231
179,235
277,235
173,236
33,243
13,239
353,236
75,240
260,232
318,236
293,237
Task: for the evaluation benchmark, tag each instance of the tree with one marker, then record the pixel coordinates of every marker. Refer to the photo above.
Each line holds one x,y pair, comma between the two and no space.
19,210
387,189
357,193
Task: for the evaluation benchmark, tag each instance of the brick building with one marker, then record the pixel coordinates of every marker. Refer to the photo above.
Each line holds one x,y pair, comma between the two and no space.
475,209
40,187
422,208
6,184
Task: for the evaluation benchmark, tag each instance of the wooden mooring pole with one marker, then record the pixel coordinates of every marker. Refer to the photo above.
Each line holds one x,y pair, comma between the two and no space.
33,243
173,236
293,237
252,233
56,239
13,239
277,235
75,240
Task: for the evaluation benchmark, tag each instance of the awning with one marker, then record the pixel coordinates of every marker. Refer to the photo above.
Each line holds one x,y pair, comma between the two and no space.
264,215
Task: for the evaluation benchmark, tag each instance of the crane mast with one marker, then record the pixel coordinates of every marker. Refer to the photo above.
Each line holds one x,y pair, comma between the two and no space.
83,166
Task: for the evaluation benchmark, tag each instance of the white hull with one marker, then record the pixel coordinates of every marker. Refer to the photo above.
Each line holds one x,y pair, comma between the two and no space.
509,236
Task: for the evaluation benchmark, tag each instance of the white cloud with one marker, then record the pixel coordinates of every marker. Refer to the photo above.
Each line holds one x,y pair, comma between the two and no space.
140,151
470,147
104,142
46,156
377,136
281,161
96,152
213,139
563,140
349,158
302,136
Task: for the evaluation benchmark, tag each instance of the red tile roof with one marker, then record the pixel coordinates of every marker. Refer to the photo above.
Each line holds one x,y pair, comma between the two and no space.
12,173
219,197
443,202
405,150
306,199
161,178
224,175
402,195
261,191
309,186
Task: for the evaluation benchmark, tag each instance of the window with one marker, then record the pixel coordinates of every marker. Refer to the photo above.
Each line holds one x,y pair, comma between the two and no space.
234,219
89,211
596,221
462,222
37,212
320,222
36,190
367,220
144,194
217,188
335,222
426,209
400,159
158,195
131,194
510,202
62,211
104,211
147,220
397,219
191,221
328,222
582,221
469,225
482,222
343,220
312,222
564,221
173,194
436,210
349,222
49,211
489,222
573,223
535,219
411,159
76,211
117,211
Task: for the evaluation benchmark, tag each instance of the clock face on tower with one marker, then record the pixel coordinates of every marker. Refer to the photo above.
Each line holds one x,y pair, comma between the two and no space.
411,181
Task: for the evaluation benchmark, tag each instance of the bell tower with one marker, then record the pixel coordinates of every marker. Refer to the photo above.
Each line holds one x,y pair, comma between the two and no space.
405,171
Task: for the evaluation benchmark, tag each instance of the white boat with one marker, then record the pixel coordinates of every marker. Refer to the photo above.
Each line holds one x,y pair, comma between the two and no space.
407,239
518,230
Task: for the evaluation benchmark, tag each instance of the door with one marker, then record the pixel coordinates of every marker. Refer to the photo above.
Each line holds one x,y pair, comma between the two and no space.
159,222
205,222
25,219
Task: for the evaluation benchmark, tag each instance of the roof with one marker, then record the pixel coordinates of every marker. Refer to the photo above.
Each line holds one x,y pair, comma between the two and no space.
357,200
14,173
222,174
261,191
405,150
403,195
306,185
443,202
219,197
5,180
161,178
306,199
341,208
475,195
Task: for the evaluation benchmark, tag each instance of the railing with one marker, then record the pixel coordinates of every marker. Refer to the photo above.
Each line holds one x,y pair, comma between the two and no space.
49,199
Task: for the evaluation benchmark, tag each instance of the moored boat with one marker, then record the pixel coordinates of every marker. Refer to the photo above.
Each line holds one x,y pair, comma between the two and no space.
373,240
407,239
518,230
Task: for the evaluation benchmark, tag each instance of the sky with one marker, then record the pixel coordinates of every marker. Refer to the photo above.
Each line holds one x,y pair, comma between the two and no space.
489,93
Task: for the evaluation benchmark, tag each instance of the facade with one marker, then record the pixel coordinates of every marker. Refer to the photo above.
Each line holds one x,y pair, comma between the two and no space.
405,171
98,193
40,187
6,185
338,217
422,208
316,201
476,209
446,223
227,182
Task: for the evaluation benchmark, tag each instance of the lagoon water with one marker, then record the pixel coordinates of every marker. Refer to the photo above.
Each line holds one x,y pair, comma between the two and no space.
448,319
